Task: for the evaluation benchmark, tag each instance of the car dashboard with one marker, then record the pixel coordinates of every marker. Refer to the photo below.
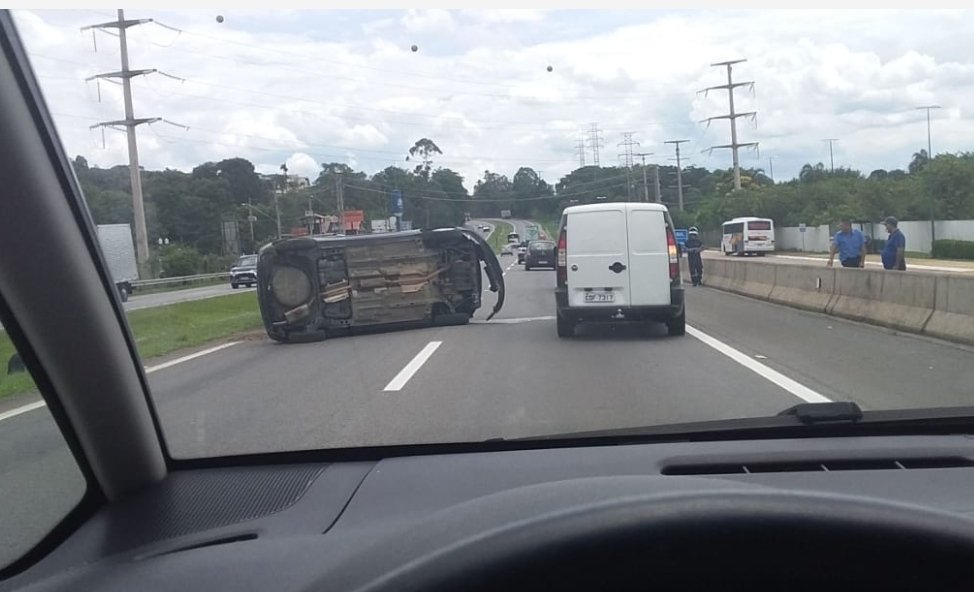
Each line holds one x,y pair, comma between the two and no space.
342,525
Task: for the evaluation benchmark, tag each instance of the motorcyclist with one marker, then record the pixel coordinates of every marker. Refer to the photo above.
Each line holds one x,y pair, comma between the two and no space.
694,246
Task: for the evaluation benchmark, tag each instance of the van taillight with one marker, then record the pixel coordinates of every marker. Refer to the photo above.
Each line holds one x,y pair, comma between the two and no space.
562,263
674,255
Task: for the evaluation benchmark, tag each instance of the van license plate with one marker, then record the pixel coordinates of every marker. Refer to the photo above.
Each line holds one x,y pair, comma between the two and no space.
600,297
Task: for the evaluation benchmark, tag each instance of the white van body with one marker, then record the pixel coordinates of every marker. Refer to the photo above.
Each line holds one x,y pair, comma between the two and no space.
618,264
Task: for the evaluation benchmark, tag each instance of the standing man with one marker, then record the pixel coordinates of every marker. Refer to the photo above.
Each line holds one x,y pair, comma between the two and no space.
894,253
850,244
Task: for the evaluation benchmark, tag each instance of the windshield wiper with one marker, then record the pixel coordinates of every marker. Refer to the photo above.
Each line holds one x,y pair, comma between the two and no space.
832,411
803,420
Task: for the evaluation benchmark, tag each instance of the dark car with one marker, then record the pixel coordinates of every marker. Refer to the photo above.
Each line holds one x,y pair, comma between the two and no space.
310,287
243,272
540,254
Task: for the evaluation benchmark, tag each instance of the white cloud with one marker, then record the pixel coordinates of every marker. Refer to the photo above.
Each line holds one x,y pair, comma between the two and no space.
303,165
289,87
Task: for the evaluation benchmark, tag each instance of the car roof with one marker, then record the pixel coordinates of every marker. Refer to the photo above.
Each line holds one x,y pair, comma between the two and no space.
616,205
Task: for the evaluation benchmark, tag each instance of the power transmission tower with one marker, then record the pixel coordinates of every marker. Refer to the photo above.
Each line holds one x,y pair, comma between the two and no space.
679,168
595,142
129,123
831,156
581,152
732,116
627,143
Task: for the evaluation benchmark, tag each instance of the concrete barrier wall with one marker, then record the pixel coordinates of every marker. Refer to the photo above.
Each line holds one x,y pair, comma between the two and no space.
953,312
940,305
805,287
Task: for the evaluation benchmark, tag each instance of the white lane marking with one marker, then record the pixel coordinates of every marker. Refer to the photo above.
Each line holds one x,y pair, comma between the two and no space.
148,370
513,321
877,264
24,409
412,367
796,388
193,356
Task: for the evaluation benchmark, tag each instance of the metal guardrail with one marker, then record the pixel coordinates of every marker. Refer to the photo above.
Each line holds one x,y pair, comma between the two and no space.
180,279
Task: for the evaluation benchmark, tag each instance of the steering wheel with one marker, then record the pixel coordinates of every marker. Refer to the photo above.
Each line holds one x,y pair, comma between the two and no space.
715,540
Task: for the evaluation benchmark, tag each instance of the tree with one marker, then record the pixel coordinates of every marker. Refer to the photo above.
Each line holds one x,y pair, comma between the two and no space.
812,174
919,161
424,149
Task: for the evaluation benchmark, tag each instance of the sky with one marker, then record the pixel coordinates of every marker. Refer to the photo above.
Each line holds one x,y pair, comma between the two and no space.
307,87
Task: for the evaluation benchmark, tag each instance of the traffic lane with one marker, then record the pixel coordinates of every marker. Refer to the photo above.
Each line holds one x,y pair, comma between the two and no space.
261,396
518,379
844,360
164,298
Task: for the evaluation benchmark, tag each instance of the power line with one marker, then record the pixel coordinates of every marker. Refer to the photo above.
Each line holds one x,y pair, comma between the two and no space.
732,116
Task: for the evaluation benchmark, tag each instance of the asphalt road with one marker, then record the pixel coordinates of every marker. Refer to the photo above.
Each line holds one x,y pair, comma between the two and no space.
510,377
137,302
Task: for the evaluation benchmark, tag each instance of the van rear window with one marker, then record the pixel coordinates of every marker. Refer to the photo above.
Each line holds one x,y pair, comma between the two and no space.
762,225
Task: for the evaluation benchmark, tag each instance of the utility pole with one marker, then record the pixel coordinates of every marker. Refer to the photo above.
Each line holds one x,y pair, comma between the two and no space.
933,235
732,117
929,143
581,152
657,195
771,167
679,168
831,156
340,199
643,155
277,207
129,123
627,143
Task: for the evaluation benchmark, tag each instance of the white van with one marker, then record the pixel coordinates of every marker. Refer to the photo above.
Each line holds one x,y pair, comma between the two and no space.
618,261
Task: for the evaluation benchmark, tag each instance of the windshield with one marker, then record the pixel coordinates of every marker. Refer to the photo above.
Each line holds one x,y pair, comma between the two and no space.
378,168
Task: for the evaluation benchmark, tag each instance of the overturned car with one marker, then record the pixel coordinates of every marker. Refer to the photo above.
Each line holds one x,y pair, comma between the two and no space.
310,287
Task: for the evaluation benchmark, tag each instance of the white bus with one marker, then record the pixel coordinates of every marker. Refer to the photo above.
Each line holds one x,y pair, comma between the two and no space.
747,235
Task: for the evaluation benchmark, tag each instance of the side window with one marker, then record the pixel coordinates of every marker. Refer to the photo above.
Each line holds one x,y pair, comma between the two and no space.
40,481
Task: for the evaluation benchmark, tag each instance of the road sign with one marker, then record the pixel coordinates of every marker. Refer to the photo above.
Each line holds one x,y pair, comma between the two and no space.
681,236
801,227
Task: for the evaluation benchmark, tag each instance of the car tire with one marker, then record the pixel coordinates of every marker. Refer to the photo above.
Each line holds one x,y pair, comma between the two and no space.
527,267
123,294
677,326
566,327
234,285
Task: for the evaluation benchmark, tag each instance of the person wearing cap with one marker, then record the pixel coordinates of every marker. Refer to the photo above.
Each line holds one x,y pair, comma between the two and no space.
850,244
894,253
694,246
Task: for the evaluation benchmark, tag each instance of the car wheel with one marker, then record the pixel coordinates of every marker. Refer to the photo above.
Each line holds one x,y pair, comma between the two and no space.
678,325
566,327
527,267
234,285
123,294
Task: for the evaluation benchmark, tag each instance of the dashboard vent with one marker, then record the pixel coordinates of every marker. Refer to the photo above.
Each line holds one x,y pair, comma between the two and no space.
818,466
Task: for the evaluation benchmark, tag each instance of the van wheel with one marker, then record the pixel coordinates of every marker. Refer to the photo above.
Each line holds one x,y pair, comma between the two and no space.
678,325
566,327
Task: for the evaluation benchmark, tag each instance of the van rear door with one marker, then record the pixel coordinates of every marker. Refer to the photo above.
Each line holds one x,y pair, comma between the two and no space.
649,261
597,258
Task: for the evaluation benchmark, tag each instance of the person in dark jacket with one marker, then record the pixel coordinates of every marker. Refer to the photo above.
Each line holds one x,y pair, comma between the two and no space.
694,246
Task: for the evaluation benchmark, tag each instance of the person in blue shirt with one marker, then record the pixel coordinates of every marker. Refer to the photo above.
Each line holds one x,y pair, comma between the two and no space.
850,244
894,253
